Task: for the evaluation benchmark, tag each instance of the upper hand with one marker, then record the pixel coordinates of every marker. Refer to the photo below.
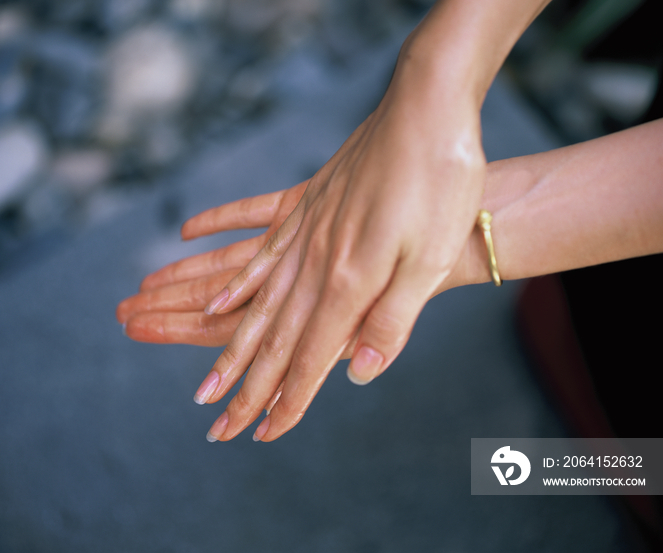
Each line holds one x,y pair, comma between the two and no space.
377,233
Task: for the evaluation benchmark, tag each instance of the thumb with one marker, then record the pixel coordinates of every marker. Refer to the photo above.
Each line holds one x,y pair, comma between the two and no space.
387,326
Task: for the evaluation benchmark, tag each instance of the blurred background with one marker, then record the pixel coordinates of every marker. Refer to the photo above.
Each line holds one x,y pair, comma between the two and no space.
119,119
100,99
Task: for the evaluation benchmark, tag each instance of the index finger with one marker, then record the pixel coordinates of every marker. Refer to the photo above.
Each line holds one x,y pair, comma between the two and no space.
254,212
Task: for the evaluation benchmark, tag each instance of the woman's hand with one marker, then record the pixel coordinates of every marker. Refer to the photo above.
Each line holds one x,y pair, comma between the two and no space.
590,203
378,230
169,306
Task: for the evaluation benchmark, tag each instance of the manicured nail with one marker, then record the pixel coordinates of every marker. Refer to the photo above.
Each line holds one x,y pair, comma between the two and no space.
207,388
218,428
364,366
261,430
218,302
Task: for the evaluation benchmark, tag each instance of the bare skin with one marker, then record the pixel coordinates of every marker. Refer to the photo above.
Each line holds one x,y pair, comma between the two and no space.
359,256
586,204
171,300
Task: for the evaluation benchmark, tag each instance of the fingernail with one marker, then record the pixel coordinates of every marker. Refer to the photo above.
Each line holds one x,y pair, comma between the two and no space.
207,388
218,428
218,302
124,328
364,366
261,430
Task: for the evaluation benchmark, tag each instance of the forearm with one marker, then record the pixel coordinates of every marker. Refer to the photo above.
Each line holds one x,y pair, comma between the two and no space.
458,48
591,203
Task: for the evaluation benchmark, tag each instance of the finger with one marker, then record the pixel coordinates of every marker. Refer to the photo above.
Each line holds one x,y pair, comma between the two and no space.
249,280
252,212
234,255
190,295
272,360
388,324
275,398
196,329
244,345
330,330
347,353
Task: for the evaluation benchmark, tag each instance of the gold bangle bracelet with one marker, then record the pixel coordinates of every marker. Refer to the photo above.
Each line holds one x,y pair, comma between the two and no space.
484,220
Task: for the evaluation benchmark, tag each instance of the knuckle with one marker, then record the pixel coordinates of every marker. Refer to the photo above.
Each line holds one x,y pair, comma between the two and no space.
242,277
218,258
230,356
273,247
245,210
288,411
386,327
273,343
303,364
341,277
209,335
241,404
262,302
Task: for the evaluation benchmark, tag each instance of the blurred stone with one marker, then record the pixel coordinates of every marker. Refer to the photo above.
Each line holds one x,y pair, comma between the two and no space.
249,84
256,16
121,14
13,23
23,153
150,72
624,91
65,84
81,170
13,85
105,205
70,12
195,10
163,144
303,73
291,33
253,16
46,207
116,86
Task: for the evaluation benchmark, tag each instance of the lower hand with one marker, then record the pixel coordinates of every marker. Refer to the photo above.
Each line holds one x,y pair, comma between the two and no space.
169,307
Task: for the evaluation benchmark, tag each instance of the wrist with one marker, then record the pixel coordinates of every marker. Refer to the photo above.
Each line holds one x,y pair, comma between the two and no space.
442,73
507,183
461,44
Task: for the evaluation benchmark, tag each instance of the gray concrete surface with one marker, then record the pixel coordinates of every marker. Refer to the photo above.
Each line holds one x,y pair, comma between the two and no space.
102,448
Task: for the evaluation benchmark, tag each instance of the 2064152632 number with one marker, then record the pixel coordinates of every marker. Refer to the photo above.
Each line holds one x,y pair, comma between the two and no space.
606,461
